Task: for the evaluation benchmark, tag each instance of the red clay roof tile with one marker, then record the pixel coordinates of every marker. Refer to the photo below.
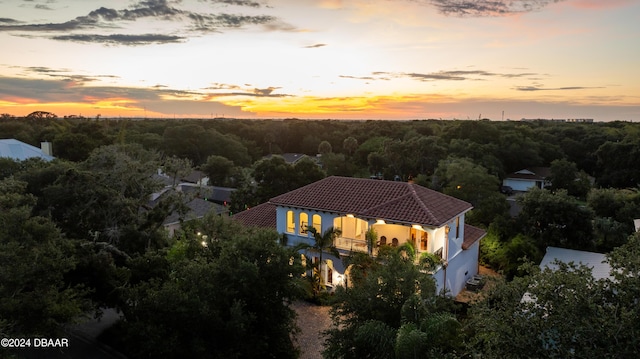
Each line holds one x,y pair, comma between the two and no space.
368,198
262,215
471,235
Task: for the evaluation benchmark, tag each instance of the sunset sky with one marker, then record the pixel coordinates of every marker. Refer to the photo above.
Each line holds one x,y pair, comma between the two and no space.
336,59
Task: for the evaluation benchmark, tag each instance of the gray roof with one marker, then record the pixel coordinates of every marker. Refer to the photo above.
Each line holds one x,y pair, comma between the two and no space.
198,208
20,151
596,261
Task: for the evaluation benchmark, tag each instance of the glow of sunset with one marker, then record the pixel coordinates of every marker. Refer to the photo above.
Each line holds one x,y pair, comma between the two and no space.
349,59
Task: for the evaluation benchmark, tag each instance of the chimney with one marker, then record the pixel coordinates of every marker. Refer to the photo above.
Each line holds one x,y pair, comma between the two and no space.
46,148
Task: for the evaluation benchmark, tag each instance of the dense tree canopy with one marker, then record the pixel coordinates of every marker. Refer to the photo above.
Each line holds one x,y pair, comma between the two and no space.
390,310
215,295
85,221
565,313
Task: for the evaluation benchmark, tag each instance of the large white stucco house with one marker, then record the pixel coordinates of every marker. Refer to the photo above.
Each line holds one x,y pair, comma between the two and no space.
399,212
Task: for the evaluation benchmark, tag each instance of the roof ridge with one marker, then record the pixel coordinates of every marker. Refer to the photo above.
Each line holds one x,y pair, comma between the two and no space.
411,193
420,202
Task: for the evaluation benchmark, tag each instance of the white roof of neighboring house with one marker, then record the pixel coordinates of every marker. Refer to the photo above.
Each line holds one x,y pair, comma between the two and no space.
531,174
596,261
20,151
600,269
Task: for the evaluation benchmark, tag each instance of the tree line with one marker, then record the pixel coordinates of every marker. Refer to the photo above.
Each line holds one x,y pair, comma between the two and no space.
78,234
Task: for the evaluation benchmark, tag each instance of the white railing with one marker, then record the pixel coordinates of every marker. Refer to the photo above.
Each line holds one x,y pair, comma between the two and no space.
350,244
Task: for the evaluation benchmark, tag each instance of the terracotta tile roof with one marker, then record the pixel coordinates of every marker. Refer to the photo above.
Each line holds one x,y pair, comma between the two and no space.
471,235
400,202
262,215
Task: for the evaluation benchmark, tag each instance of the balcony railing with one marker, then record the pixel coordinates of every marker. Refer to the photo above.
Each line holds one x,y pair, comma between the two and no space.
350,244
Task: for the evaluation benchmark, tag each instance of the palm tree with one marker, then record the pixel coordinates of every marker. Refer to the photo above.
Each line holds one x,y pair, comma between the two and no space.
323,242
372,240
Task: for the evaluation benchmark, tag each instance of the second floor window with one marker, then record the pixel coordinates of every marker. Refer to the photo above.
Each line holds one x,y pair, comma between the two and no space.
291,222
304,223
317,222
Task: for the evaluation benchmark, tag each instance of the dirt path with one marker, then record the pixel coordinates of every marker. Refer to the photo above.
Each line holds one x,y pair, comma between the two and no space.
312,321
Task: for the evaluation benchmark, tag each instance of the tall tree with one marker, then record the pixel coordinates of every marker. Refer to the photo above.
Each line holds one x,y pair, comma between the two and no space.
34,259
566,312
386,299
218,169
215,299
556,219
322,242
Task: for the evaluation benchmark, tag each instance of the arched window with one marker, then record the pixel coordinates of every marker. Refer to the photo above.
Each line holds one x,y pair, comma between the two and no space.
394,242
424,241
328,272
304,223
317,222
383,241
291,222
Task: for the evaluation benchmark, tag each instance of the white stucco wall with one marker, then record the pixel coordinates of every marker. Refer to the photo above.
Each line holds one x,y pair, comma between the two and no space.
462,264
462,267
519,185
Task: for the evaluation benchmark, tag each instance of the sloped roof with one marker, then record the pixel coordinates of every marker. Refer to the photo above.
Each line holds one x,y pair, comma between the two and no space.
20,151
596,261
198,208
262,215
290,158
531,173
471,235
400,202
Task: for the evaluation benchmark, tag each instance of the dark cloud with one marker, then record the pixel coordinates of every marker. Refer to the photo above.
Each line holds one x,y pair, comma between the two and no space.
265,92
163,10
479,8
60,74
225,90
538,88
4,20
152,99
219,86
454,75
315,46
122,39
236,2
458,75
42,7
359,77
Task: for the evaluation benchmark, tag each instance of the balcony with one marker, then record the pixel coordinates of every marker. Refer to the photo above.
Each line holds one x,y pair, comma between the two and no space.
350,244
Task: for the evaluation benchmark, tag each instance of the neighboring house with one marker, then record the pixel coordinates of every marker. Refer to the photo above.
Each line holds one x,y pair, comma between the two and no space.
528,178
199,198
20,151
596,261
399,212
290,158
636,224
215,194
198,208
600,268
197,177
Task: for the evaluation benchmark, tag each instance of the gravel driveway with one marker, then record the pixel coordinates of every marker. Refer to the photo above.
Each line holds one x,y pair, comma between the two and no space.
312,320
